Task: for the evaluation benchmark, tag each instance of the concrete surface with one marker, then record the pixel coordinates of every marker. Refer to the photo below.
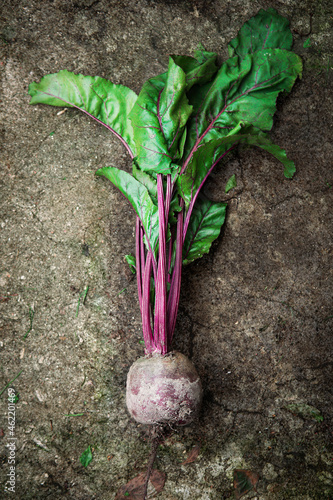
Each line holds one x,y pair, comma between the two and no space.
263,342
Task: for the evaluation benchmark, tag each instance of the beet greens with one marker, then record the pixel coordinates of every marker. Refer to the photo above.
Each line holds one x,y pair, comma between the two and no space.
180,126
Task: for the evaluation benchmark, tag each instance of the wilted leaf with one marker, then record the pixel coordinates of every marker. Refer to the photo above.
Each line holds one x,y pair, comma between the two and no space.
86,457
134,489
244,481
192,456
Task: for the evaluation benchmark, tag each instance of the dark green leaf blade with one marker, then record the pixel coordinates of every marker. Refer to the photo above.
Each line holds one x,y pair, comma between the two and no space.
199,69
205,225
231,183
86,457
101,99
174,209
147,180
202,161
162,110
159,117
131,261
243,91
267,29
210,153
138,196
263,141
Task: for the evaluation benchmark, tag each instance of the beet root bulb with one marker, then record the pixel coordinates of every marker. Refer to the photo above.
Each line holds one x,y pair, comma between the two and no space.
163,389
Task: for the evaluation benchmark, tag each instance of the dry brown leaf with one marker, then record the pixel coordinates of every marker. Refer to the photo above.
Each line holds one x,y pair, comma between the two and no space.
244,481
192,456
134,489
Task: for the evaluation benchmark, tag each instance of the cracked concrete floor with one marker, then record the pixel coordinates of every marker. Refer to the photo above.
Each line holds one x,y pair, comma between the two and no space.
255,314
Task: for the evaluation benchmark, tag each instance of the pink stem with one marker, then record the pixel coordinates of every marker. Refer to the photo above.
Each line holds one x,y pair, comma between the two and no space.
168,198
139,256
146,319
173,301
160,333
170,256
142,250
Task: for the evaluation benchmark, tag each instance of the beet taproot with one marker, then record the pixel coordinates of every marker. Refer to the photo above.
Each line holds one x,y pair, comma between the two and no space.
163,389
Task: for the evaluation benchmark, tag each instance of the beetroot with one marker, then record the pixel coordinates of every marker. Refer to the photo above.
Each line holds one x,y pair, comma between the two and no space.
163,389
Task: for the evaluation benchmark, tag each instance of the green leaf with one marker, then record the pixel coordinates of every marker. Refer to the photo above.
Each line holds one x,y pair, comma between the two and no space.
265,30
159,117
131,261
263,141
205,225
101,99
201,162
86,457
199,69
147,180
244,90
202,56
13,398
181,145
174,209
84,295
162,110
231,183
138,196
307,43
210,153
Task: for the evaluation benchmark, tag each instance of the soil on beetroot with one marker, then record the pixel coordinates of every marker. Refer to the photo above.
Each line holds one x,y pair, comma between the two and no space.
255,314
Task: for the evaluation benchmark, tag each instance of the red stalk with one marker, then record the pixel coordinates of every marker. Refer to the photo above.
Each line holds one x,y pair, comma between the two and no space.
146,319
174,294
139,259
160,332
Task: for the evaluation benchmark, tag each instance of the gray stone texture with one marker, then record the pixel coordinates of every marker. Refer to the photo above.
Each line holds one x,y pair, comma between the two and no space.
255,314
